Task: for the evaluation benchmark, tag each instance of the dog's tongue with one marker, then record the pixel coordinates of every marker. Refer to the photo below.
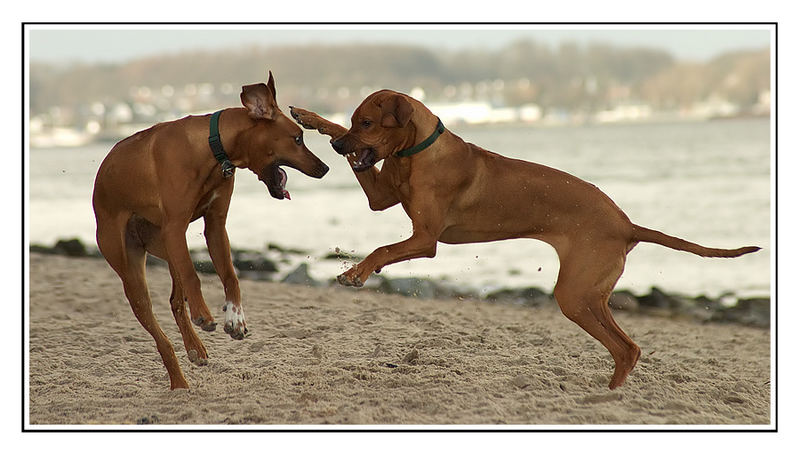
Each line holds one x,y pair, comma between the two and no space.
283,181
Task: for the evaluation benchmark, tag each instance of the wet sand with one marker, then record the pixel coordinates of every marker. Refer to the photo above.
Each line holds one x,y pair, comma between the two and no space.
338,356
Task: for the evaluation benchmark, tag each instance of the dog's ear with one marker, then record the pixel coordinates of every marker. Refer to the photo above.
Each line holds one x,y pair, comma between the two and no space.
271,87
260,100
396,111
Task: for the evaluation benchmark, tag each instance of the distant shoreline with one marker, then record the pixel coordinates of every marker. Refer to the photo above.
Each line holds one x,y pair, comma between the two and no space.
256,265
71,137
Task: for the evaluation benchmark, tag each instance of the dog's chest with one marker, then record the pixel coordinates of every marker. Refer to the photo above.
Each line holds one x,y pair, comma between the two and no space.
397,177
204,203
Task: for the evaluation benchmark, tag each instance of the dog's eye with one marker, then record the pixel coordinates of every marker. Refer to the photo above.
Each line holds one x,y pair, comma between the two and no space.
366,124
298,140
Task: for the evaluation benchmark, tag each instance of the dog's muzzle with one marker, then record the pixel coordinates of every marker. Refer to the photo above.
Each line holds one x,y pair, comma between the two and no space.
361,157
338,145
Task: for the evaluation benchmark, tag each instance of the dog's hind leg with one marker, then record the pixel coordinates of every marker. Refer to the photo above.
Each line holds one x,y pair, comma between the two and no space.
191,341
585,281
125,254
150,236
174,239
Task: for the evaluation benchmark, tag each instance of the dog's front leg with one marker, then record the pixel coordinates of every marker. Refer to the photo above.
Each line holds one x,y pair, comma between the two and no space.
311,120
220,250
428,223
419,245
379,197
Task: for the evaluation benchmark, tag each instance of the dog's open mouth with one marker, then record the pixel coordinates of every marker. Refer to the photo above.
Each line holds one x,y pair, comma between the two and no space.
275,178
362,160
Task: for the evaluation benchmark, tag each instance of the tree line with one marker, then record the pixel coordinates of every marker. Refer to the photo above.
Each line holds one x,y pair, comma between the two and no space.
569,76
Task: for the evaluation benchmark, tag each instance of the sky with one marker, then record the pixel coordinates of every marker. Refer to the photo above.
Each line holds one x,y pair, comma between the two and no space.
119,43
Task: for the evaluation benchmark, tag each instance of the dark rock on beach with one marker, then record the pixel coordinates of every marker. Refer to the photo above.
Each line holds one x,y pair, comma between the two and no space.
71,248
748,311
531,296
263,265
624,300
656,299
252,261
339,254
253,265
248,264
204,266
283,250
412,286
300,276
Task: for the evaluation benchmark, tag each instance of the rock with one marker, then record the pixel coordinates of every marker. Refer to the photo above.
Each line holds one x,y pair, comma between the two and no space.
204,266
38,248
283,250
748,311
705,302
339,254
531,296
624,300
655,299
682,304
71,248
759,310
202,261
412,286
300,276
335,255
253,261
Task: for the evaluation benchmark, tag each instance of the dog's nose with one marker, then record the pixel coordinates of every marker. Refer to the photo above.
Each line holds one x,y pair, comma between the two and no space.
338,145
323,169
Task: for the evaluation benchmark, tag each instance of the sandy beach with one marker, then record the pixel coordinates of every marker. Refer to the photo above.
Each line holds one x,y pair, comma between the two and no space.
338,356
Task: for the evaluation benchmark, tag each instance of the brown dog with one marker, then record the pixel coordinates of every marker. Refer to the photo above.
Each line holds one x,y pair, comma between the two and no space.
457,192
154,183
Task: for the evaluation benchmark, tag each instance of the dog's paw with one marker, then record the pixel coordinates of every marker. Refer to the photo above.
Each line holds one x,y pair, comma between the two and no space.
205,324
349,281
304,118
200,359
235,324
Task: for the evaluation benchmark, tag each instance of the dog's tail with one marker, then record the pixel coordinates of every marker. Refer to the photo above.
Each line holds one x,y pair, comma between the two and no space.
654,236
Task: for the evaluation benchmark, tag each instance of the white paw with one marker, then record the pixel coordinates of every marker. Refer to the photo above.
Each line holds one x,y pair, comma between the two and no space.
234,320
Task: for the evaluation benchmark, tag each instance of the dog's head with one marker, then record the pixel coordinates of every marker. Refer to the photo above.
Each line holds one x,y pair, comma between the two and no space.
381,125
273,140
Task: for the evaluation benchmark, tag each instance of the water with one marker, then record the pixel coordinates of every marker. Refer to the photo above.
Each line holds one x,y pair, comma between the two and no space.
706,182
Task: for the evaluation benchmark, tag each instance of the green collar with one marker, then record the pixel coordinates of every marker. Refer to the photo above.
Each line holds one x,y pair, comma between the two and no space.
424,144
215,143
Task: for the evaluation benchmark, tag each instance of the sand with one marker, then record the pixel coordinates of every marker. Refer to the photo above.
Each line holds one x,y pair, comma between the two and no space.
339,356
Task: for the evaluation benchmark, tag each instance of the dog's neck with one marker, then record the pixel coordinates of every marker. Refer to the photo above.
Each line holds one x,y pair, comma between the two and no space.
231,122
217,149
